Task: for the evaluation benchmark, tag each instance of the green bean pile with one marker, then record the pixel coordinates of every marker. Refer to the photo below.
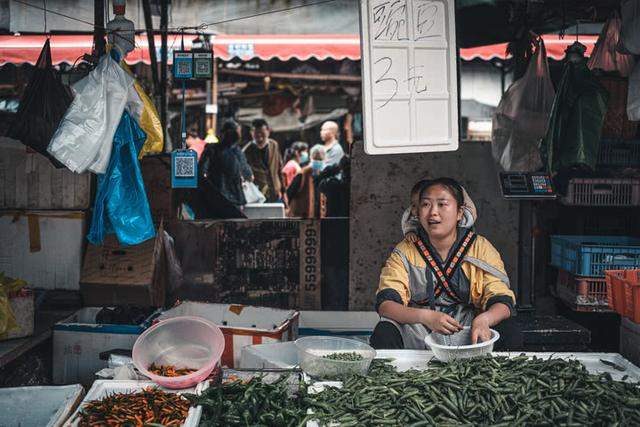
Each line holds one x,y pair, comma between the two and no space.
487,391
345,357
251,403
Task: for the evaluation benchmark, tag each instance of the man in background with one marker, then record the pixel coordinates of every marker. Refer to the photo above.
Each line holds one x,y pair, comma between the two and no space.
333,150
263,155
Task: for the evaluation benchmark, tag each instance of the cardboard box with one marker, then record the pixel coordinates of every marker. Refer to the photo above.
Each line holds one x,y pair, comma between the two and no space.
241,325
28,180
22,305
156,174
43,248
78,341
124,275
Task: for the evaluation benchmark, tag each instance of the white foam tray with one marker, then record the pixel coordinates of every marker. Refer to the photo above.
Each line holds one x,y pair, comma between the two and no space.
404,360
55,404
102,388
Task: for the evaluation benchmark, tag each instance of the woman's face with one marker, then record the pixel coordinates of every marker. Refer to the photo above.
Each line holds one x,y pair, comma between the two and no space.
439,212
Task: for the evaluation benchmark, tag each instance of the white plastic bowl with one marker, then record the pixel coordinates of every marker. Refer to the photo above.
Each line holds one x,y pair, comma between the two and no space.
458,345
184,342
311,352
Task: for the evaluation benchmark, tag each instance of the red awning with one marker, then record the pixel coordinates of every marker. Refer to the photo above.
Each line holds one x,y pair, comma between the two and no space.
25,49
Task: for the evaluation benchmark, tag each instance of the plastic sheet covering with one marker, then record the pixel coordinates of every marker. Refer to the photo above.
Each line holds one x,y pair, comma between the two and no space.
85,136
605,55
121,204
630,29
43,104
633,98
8,286
573,135
520,121
147,117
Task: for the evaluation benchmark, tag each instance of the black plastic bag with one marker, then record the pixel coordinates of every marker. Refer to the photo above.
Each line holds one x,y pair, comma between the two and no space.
43,104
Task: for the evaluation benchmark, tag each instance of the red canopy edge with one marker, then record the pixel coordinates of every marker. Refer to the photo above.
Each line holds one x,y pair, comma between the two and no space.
68,48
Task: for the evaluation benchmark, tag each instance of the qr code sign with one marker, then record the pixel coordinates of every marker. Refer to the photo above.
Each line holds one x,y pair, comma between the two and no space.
184,68
185,167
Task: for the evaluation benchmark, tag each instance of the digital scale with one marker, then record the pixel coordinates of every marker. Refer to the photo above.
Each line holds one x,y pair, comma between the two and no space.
527,185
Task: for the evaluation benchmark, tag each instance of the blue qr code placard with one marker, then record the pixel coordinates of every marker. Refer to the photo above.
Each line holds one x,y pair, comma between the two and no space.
185,167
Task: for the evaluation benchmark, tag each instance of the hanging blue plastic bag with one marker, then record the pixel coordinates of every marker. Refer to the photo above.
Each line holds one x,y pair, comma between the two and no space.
121,204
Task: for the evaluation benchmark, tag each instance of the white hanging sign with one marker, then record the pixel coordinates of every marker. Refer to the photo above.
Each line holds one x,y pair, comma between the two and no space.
410,76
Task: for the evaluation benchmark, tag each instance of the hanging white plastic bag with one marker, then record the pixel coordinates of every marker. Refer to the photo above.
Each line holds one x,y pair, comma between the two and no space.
630,30
633,97
520,120
605,55
84,137
252,193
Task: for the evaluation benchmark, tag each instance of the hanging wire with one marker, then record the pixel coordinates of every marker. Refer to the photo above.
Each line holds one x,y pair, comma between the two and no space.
200,27
183,142
44,4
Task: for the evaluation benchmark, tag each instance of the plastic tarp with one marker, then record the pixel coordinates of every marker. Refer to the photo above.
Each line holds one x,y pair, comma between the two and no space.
43,105
8,286
121,204
520,121
575,125
85,136
605,55
145,113
630,29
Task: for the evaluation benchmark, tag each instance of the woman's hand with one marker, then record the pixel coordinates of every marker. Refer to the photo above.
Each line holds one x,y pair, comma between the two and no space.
480,329
441,323
411,236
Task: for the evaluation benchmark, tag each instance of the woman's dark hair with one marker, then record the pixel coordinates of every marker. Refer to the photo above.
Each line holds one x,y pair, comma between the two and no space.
229,132
450,184
296,148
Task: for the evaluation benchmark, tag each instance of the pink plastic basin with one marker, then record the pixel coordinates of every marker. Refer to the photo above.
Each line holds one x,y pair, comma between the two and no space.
184,342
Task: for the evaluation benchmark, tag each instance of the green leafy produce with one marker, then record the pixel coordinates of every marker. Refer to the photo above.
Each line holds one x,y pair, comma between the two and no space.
475,392
345,357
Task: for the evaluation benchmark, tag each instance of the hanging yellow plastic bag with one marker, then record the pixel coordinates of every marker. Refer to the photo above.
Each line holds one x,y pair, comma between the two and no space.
8,286
148,119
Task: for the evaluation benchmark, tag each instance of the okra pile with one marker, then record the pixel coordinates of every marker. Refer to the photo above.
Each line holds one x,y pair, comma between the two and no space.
488,391
252,403
347,357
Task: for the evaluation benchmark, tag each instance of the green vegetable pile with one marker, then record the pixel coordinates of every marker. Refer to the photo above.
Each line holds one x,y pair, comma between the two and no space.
251,403
487,391
346,357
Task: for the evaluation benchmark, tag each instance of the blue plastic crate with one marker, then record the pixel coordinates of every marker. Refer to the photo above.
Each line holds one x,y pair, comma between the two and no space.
592,255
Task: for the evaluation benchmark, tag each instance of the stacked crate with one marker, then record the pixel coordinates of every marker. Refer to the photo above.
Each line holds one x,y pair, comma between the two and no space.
582,262
42,218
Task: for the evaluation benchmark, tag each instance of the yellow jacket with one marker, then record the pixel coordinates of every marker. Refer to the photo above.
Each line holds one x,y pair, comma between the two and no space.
404,272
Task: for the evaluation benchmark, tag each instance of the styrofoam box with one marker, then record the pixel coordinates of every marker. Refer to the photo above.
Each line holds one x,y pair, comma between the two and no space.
282,355
264,210
350,323
47,254
39,406
241,325
78,341
28,180
630,340
103,388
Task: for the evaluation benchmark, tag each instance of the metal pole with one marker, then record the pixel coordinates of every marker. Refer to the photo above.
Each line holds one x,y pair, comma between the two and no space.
164,23
98,29
148,23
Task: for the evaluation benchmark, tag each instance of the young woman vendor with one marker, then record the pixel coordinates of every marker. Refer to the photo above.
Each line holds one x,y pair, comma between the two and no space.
443,276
